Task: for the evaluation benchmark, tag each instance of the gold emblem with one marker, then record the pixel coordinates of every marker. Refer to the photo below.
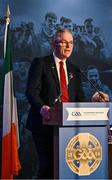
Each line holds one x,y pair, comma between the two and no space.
83,154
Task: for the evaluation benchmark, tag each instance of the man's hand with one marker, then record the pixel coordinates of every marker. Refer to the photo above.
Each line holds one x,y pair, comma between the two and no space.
45,112
100,97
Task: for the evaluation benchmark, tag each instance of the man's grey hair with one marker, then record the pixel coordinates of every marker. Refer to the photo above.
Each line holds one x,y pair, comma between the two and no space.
61,31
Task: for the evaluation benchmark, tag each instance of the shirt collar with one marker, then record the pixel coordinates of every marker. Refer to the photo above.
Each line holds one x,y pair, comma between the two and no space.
57,60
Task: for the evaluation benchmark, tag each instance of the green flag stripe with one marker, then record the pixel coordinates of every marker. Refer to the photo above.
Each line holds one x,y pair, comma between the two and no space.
8,53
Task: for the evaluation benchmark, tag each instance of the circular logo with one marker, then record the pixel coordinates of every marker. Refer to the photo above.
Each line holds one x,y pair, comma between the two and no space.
83,154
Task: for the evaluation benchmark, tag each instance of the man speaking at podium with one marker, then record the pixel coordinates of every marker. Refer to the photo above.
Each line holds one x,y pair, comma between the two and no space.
52,79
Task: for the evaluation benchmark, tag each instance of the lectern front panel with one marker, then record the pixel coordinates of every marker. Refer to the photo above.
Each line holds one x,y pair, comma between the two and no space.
83,153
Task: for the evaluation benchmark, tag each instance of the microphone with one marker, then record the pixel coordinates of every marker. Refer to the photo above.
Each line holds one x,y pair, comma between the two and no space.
58,99
102,98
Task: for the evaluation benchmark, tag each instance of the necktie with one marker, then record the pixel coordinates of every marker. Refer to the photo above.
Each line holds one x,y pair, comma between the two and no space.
63,84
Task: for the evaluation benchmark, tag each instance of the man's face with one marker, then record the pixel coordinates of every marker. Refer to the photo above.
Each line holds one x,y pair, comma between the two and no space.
63,45
93,75
89,28
50,23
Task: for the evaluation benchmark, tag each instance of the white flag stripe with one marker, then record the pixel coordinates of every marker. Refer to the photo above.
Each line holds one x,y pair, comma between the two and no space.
10,107
7,116
14,110
15,119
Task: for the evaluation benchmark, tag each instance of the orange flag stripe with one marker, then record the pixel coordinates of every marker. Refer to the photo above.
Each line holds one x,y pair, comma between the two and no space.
10,159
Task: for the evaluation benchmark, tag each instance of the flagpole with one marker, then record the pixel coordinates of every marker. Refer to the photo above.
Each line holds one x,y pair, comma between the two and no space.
7,23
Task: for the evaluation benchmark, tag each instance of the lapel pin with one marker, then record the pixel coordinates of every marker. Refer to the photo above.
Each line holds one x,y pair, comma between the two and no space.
70,75
53,67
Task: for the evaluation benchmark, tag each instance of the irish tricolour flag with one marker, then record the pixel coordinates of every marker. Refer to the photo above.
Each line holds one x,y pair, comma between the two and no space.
10,141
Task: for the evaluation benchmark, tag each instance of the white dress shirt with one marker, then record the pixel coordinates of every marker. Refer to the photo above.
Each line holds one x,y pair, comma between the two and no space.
57,61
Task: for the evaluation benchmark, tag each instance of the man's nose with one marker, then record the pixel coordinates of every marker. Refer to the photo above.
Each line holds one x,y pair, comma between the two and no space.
68,44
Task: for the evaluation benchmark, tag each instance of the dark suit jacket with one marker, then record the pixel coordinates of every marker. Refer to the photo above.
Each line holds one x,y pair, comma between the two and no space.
43,87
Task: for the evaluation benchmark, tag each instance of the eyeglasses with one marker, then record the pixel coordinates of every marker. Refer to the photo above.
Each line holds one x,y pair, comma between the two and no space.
65,43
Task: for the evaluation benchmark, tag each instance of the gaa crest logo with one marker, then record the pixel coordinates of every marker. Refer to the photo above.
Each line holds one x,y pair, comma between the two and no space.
83,154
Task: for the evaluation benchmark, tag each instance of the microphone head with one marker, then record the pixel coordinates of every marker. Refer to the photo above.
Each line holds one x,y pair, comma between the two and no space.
58,99
55,100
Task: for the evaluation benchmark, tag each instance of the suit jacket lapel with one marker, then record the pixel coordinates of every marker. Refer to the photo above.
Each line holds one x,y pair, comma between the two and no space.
70,77
69,72
54,72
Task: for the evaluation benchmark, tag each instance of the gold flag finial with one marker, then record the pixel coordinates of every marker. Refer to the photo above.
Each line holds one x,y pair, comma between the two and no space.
8,12
8,15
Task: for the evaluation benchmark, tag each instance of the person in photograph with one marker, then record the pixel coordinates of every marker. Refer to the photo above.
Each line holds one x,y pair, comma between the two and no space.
42,41
94,83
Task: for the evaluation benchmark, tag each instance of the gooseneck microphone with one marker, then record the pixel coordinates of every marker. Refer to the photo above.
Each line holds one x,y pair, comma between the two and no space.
58,99
71,75
97,90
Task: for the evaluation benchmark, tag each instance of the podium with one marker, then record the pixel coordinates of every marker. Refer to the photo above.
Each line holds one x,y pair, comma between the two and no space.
80,140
